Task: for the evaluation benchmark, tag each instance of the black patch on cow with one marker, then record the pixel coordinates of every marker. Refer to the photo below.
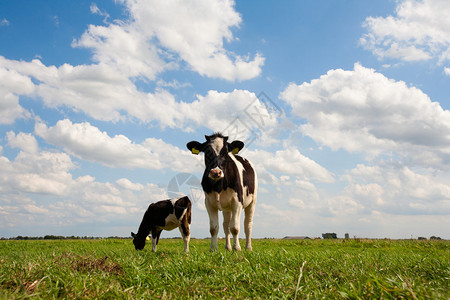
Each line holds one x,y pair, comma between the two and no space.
181,205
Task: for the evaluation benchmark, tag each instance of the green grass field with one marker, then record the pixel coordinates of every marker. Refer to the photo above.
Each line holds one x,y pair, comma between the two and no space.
278,269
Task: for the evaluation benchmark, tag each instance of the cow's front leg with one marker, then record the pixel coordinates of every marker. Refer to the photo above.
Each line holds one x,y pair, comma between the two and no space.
155,238
213,224
226,228
234,226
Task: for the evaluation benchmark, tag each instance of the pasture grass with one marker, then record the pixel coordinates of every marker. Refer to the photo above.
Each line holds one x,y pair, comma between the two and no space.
276,269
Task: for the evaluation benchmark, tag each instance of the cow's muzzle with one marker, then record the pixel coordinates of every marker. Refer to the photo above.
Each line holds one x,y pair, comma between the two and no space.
215,173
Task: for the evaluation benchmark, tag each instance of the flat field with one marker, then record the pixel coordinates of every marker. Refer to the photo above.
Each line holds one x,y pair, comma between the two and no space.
276,269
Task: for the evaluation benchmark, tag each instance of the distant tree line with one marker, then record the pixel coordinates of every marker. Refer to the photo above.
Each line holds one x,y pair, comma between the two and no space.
332,235
60,237
329,235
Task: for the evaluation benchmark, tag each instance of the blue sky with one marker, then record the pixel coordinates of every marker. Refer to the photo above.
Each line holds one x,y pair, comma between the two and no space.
343,106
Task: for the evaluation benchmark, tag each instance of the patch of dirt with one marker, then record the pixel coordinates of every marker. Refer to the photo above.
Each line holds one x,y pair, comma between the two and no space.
89,263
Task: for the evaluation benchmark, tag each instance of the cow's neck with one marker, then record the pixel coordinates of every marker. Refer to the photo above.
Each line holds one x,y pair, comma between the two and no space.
144,228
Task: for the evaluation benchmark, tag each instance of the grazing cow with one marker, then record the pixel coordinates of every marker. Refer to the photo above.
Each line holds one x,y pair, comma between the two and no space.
165,215
230,185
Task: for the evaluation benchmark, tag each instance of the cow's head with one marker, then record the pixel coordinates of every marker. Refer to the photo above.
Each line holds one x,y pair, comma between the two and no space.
139,243
216,149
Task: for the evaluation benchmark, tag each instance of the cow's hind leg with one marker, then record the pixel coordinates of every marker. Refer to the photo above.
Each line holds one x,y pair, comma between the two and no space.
248,225
213,225
185,233
226,228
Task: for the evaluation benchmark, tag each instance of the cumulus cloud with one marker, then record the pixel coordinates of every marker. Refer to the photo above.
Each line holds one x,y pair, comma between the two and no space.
229,112
87,142
447,71
288,161
108,95
35,172
123,48
98,90
398,189
363,111
13,85
131,45
142,47
24,141
38,183
417,31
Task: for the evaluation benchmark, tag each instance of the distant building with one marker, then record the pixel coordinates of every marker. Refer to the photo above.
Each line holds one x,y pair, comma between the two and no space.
347,236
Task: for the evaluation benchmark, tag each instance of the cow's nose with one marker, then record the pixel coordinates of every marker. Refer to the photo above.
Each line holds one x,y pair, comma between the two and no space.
215,173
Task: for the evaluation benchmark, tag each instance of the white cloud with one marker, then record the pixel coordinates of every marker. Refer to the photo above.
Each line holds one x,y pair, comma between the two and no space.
24,141
363,111
96,11
397,189
107,95
40,183
35,172
87,142
201,44
12,85
130,45
217,111
123,48
141,47
418,31
288,161
97,90
447,71
4,22
127,184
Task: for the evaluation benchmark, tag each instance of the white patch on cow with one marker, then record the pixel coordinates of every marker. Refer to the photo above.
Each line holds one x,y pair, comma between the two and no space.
223,200
240,168
171,220
217,145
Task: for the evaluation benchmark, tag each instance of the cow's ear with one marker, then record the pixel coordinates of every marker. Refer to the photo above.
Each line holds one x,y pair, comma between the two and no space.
133,234
236,146
195,147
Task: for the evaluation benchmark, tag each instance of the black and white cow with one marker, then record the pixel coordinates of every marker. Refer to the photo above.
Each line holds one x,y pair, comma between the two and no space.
165,215
230,185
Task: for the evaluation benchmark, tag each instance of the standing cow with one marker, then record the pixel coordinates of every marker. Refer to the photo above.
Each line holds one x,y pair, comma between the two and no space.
230,184
164,215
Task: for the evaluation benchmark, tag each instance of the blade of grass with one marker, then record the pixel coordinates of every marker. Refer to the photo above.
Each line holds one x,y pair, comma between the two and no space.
299,278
